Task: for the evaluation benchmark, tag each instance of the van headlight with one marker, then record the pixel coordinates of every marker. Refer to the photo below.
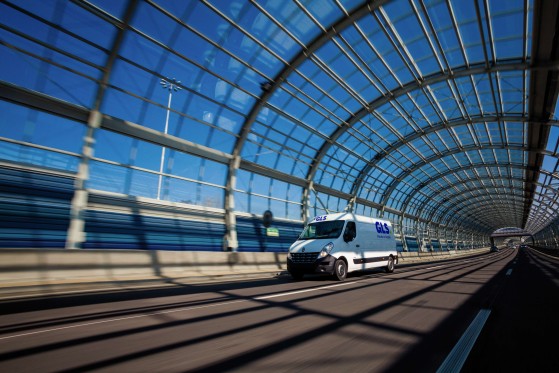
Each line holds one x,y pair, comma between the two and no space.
326,250
289,255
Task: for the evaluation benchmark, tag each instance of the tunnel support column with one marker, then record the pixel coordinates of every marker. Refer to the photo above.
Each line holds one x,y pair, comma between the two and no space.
230,242
76,231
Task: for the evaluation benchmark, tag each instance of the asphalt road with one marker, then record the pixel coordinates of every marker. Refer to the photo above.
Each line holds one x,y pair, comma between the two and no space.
408,321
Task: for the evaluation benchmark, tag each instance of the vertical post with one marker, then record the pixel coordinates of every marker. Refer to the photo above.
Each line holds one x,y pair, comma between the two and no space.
306,202
76,234
171,85
403,233
230,240
419,236
163,148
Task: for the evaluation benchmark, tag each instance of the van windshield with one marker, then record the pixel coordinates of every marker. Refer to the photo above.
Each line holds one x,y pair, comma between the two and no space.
323,229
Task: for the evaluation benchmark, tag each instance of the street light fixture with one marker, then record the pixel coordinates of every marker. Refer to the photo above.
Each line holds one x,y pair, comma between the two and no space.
171,85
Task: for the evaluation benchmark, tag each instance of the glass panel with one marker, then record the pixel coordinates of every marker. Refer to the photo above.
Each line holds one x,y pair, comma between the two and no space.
409,31
46,140
506,20
468,29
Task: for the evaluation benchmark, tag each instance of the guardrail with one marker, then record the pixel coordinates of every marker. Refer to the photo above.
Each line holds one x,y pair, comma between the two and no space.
406,257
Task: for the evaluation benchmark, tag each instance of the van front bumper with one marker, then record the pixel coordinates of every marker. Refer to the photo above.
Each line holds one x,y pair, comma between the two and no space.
305,264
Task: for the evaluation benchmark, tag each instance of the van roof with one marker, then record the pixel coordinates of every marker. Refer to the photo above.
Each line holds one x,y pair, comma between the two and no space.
347,216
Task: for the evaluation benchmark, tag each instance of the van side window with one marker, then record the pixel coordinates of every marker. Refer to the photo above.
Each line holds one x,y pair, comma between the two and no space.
351,229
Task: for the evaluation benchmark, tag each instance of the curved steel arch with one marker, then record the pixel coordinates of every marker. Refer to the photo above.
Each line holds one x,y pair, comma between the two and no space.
467,70
268,91
440,126
407,88
75,233
510,232
495,215
490,178
313,46
431,129
459,215
500,205
456,201
477,208
453,171
536,183
271,87
463,203
426,161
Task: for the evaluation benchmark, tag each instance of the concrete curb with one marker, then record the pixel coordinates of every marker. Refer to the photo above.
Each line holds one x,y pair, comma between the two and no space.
39,272
42,266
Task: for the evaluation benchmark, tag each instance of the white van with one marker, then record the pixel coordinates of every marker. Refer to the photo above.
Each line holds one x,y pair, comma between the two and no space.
340,243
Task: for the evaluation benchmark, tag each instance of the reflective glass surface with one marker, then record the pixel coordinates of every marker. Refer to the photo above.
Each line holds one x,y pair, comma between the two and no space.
417,111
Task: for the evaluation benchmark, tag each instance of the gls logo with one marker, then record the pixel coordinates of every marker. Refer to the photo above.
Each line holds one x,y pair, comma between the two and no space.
382,228
320,218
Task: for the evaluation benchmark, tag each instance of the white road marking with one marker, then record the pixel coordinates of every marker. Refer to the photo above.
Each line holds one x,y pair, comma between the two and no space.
304,291
457,357
191,308
177,310
124,318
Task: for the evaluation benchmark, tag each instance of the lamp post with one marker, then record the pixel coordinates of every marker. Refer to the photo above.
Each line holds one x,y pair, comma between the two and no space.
171,85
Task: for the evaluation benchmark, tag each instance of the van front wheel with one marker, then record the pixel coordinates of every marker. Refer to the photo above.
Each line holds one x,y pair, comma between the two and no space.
340,270
390,265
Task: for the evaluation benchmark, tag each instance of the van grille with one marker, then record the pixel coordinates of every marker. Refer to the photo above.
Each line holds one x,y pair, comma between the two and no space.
303,257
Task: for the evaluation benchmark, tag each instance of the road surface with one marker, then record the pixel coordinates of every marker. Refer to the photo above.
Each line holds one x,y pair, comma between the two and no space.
412,320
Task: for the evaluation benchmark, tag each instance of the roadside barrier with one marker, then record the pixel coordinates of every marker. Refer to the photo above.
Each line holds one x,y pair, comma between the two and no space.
43,266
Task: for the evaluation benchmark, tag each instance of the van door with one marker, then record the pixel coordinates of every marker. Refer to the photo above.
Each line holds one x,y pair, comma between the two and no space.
352,244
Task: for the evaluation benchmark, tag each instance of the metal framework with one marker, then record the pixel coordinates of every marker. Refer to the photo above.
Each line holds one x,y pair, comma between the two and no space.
431,112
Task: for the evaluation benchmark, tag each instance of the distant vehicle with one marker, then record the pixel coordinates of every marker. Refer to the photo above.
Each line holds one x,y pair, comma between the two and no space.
338,244
494,249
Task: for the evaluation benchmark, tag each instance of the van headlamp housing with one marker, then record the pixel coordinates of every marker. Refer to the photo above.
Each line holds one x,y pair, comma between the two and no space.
326,250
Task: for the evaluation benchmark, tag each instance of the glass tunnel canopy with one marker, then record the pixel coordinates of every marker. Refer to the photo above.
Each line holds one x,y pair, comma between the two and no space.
420,111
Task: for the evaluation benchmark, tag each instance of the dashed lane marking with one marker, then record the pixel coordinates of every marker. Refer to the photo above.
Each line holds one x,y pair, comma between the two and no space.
457,357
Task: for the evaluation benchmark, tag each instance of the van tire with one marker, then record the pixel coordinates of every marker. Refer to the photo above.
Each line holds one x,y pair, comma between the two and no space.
340,270
390,265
